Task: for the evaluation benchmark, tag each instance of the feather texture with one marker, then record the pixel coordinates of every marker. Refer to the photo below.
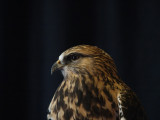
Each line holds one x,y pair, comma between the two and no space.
92,89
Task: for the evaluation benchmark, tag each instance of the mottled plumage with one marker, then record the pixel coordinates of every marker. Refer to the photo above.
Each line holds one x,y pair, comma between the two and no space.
91,89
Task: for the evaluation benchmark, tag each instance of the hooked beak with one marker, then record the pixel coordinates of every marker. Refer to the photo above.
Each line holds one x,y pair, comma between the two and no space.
56,66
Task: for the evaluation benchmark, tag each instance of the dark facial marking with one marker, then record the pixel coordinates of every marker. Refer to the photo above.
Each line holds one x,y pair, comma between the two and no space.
72,57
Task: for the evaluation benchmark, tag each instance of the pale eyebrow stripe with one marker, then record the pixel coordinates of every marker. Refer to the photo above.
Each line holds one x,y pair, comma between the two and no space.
61,57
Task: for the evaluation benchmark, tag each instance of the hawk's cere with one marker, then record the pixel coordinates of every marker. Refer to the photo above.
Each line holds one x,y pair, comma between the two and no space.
91,89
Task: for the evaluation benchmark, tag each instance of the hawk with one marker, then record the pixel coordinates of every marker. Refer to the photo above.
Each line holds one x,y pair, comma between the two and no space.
92,89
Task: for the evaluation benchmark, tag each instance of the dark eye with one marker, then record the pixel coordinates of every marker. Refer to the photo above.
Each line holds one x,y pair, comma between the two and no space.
72,57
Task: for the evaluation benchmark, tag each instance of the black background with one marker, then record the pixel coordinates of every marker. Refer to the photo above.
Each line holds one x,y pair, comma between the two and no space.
35,32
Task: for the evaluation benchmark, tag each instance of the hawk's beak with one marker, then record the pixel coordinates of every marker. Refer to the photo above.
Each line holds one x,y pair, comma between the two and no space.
56,66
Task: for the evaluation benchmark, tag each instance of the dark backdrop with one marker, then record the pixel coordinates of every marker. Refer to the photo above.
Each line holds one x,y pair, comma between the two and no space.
35,32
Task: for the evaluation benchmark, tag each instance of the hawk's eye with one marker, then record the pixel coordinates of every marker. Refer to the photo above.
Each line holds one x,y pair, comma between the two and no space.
73,57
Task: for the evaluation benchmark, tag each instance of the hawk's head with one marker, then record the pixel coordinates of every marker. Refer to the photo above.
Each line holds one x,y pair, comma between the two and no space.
84,58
